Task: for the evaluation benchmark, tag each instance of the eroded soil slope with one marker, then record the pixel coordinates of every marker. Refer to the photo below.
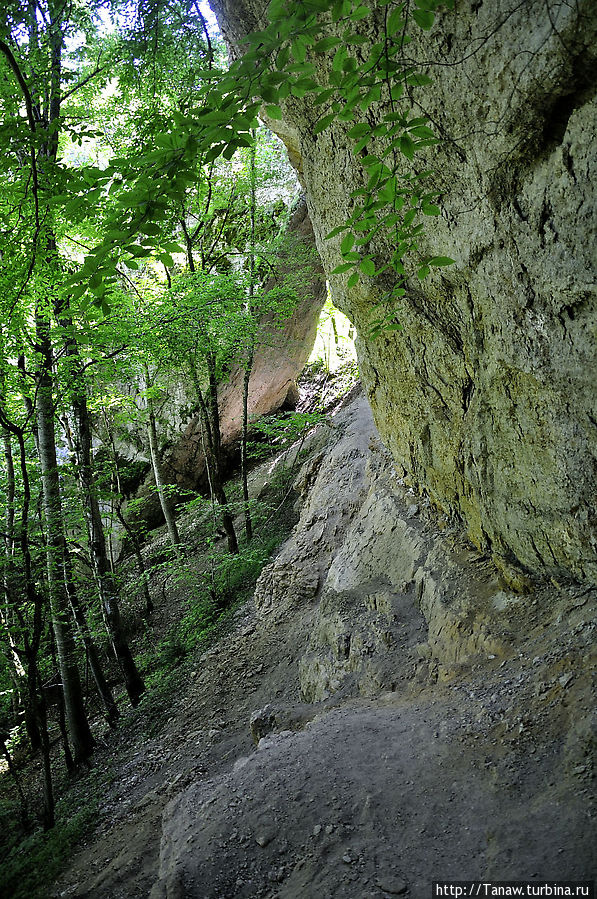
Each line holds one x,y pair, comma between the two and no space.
447,732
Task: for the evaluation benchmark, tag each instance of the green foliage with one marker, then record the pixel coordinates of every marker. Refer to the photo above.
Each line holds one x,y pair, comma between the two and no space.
232,580
219,116
280,431
38,859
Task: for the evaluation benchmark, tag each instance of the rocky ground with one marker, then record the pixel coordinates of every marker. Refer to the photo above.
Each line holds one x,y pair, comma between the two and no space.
385,712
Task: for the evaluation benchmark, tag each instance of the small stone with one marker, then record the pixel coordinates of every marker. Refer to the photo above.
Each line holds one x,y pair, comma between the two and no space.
391,884
565,679
262,722
329,829
264,839
347,859
317,830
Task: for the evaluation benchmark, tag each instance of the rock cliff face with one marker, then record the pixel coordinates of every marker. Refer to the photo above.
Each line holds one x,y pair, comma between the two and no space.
487,397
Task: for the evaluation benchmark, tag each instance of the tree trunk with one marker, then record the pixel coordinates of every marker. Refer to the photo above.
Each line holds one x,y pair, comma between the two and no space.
251,353
97,540
107,588
41,720
160,484
243,449
103,688
129,530
78,725
211,427
15,776
139,558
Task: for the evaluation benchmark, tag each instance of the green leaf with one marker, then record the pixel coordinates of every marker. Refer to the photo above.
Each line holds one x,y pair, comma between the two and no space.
396,93
441,260
367,266
407,146
424,18
361,12
418,79
338,60
359,130
324,96
299,49
423,272
336,231
325,44
422,131
269,94
274,112
369,160
353,280
355,37
430,209
388,193
164,140
78,292
323,123
340,269
347,243
396,20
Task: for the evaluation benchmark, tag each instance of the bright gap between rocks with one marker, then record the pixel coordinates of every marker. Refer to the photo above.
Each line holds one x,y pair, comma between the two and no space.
334,343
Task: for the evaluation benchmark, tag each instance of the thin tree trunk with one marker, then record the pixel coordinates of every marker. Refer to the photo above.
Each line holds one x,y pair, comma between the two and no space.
35,600
243,449
30,639
15,776
129,530
107,588
249,362
160,484
7,615
212,447
41,717
139,558
97,671
78,725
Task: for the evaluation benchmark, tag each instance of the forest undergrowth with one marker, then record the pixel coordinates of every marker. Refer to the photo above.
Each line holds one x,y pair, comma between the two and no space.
195,602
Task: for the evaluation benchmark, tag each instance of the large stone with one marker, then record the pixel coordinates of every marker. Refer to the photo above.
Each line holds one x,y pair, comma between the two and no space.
487,395
376,576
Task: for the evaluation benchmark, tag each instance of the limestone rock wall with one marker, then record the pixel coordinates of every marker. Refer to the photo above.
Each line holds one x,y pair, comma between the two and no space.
389,595
487,396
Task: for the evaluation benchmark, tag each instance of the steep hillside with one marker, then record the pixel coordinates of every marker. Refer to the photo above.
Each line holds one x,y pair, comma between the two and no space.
414,717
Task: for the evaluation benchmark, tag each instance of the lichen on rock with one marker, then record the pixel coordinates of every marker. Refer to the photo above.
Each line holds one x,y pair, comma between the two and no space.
487,395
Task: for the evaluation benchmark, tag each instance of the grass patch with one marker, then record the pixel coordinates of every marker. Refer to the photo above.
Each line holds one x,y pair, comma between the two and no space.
229,581
41,857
